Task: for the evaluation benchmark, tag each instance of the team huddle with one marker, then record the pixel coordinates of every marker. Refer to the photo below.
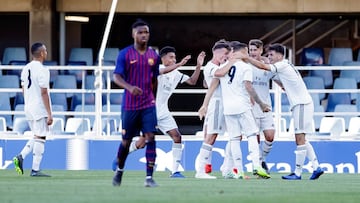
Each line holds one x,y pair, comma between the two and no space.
237,102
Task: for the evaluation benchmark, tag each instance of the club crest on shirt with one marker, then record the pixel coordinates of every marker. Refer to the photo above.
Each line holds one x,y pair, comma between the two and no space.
151,61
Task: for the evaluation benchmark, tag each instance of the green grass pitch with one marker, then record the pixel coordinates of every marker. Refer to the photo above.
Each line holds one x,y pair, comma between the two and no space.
95,186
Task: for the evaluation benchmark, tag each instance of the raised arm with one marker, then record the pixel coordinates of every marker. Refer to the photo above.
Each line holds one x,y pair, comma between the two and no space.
195,76
175,66
203,109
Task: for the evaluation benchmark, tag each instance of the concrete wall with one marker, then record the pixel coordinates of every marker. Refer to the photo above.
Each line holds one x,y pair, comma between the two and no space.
212,6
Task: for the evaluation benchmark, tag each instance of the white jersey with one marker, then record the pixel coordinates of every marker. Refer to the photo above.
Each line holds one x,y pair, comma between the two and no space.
166,86
261,84
292,82
236,99
34,76
208,72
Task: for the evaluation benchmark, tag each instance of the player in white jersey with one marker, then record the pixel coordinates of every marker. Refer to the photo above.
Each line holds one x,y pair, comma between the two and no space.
237,94
165,87
301,105
261,84
214,123
35,80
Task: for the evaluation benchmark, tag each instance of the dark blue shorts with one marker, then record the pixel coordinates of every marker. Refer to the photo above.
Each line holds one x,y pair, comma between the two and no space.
134,121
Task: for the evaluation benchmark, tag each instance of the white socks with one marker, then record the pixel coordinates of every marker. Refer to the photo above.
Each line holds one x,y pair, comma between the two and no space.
38,151
27,148
253,146
177,153
266,147
204,154
310,153
300,154
132,146
236,155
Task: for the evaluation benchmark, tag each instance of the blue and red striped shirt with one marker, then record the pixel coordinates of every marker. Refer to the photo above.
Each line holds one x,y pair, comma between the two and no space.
138,70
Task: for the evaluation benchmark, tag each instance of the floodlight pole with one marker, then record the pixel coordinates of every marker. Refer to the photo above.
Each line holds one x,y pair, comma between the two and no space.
98,71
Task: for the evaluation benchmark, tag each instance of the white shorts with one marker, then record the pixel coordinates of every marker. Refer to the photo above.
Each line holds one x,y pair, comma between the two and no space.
239,124
39,127
214,119
266,122
303,118
166,124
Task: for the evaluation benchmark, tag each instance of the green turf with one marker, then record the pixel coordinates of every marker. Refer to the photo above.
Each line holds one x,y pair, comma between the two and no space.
95,186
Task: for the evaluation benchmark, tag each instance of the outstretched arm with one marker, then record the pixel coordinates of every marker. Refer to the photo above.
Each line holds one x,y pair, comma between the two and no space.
195,76
203,109
175,66
255,62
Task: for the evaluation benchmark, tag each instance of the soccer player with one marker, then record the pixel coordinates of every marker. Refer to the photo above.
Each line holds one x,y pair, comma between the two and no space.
261,84
237,94
166,86
136,70
35,79
214,123
302,107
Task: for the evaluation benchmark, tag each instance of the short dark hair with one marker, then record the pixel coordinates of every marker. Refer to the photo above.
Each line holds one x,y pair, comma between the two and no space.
236,45
256,42
166,50
221,44
35,47
278,48
139,22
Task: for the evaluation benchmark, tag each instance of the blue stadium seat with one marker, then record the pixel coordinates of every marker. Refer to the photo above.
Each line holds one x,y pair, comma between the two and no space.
114,108
316,99
58,108
65,82
59,99
338,56
326,75
89,99
85,108
345,108
351,73
6,106
346,83
21,125
314,82
312,57
19,99
10,81
2,124
82,54
337,98
317,118
19,108
53,73
13,54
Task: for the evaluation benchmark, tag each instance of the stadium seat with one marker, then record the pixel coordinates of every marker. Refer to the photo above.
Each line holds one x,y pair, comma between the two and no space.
77,126
82,54
351,73
346,83
10,81
13,54
314,82
345,108
286,109
316,99
317,118
5,106
354,126
338,56
57,108
326,75
19,109
312,57
21,125
292,130
2,124
333,126
19,99
57,127
86,108
114,108
59,99
53,73
109,126
65,82
358,101
337,98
